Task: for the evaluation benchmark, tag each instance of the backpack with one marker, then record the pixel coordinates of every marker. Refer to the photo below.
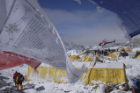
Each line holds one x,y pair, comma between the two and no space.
21,78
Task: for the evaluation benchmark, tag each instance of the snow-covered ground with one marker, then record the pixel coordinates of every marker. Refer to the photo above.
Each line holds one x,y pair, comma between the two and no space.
42,86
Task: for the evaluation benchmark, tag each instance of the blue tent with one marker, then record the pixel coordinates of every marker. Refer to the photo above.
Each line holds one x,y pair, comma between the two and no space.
127,10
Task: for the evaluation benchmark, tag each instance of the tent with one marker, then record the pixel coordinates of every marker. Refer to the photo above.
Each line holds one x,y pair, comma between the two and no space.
97,58
74,57
137,53
112,55
138,57
104,72
123,53
48,73
127,49
86,58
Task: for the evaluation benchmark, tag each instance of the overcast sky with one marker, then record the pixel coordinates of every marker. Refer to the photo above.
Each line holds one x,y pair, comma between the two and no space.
84,23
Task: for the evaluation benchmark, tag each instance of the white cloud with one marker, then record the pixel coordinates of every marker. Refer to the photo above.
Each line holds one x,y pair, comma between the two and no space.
60,17
86,27
95,36
99,9
92,1
79,1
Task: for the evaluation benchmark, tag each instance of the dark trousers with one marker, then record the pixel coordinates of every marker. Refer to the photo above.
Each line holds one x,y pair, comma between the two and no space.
137,90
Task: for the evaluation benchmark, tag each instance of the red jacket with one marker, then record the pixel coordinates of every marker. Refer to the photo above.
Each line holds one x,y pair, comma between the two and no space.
15,75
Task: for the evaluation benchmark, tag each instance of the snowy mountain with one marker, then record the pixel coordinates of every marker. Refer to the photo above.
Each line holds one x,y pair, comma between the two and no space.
135,42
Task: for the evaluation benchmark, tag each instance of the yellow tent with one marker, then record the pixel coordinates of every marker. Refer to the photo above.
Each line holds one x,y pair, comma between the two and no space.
47,73
138,57
104,72
112,55
86,58
127,49
120,55
137,51
74,57
97,58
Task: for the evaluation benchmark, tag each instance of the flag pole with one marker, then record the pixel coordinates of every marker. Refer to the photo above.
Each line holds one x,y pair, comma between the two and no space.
130,44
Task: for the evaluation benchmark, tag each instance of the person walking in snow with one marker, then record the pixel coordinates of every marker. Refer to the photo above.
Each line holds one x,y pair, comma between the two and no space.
19,80
137,85
14,77
95,51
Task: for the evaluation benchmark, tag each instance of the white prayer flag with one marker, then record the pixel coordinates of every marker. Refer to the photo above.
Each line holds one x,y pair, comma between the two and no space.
29,32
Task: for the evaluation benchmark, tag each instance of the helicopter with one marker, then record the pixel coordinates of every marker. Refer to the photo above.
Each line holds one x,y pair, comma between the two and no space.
104,42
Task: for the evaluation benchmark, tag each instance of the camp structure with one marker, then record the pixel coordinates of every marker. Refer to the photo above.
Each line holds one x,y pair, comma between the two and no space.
137,51
86,59
89,59
123,54
138,57
127,49
114,55
74,58
97,58
104,72
137,54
